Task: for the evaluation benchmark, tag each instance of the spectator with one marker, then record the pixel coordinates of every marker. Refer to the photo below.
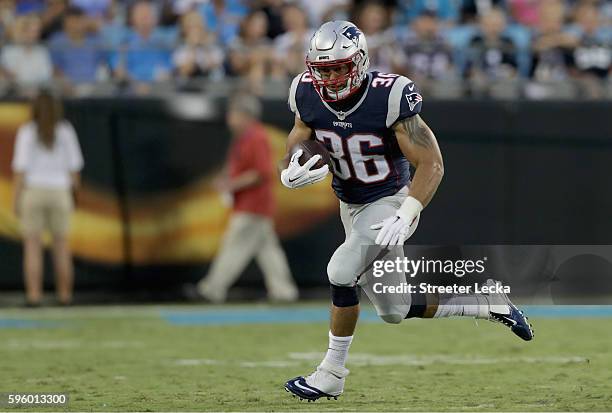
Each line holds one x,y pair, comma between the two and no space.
273,10
291,46
250,54
168,15
250,233
552,48
373,19
96,9
606,13
424,54
472,10
198,55
492,55
99,13
24,7
447,11
320,11
52,17
77,56
113,26
144,56
223,17
26,61
7,15
527,12
592,56
46,163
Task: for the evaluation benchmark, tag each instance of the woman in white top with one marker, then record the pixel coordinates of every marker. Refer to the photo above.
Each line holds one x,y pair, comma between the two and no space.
46,165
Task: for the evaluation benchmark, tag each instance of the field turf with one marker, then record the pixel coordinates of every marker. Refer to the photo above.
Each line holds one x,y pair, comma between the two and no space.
201,358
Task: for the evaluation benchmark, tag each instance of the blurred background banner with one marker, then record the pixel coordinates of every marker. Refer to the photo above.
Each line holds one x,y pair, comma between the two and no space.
148,217
147,207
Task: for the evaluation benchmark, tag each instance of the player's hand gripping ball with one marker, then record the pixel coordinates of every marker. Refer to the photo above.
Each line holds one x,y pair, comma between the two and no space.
310,163
311,148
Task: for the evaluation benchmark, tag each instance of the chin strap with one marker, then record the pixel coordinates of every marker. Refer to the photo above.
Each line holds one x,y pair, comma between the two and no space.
341,94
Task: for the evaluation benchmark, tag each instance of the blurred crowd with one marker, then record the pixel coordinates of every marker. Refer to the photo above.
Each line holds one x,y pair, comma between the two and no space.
558,48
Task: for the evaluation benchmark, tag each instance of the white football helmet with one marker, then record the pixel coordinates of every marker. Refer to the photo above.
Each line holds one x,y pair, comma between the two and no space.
334,44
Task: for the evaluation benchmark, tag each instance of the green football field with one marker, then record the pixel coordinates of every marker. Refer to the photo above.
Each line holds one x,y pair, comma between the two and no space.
202,358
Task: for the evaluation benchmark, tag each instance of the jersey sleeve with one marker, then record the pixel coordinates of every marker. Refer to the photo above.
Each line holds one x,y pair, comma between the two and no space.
292,101
405,100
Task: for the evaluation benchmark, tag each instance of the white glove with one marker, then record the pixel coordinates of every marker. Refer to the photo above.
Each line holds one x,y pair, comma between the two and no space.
396,229
295,176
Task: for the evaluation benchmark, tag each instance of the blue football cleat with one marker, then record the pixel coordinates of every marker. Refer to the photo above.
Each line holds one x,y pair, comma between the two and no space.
327,381
501,310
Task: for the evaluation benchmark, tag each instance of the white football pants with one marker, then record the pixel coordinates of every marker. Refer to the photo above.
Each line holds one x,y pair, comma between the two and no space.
358,251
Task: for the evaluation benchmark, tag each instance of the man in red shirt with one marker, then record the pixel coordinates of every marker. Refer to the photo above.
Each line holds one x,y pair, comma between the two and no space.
249,180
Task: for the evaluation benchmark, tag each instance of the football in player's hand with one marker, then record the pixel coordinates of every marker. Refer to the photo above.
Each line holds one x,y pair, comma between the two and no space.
311,148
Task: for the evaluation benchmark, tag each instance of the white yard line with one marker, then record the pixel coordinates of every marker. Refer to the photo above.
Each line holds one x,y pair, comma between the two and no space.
279,364
198,362
361,359
23,344
366,359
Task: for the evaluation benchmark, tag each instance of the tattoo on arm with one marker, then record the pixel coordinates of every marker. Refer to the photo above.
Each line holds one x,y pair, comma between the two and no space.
417,131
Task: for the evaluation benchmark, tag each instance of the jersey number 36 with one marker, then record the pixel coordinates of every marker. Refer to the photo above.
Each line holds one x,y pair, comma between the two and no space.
349,158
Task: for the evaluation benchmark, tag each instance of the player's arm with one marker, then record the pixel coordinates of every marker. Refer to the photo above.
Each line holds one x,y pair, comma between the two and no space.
419,145
294,175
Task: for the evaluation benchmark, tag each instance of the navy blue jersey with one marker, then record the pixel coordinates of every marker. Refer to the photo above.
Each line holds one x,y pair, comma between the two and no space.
368,163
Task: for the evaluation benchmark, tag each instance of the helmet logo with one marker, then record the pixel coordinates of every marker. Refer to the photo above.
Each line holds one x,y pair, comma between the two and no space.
352,33
413,100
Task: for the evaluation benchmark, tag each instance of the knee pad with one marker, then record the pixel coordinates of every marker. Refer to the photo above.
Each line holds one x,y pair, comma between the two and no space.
344,296
418,305
339,275
392,318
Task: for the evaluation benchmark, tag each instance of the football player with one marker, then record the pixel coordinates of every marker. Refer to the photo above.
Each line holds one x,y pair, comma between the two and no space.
370,124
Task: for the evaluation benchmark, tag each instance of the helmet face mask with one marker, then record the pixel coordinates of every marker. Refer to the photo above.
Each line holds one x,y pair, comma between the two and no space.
339,87
337,60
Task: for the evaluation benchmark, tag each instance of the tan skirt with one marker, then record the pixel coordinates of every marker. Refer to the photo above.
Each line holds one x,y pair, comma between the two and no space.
46,209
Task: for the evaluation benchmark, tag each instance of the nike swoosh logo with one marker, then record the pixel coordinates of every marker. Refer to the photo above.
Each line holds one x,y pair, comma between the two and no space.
297,384
507,319
411,87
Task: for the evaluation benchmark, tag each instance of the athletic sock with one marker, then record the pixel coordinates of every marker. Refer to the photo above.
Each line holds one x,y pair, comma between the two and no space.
337,351
474,305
